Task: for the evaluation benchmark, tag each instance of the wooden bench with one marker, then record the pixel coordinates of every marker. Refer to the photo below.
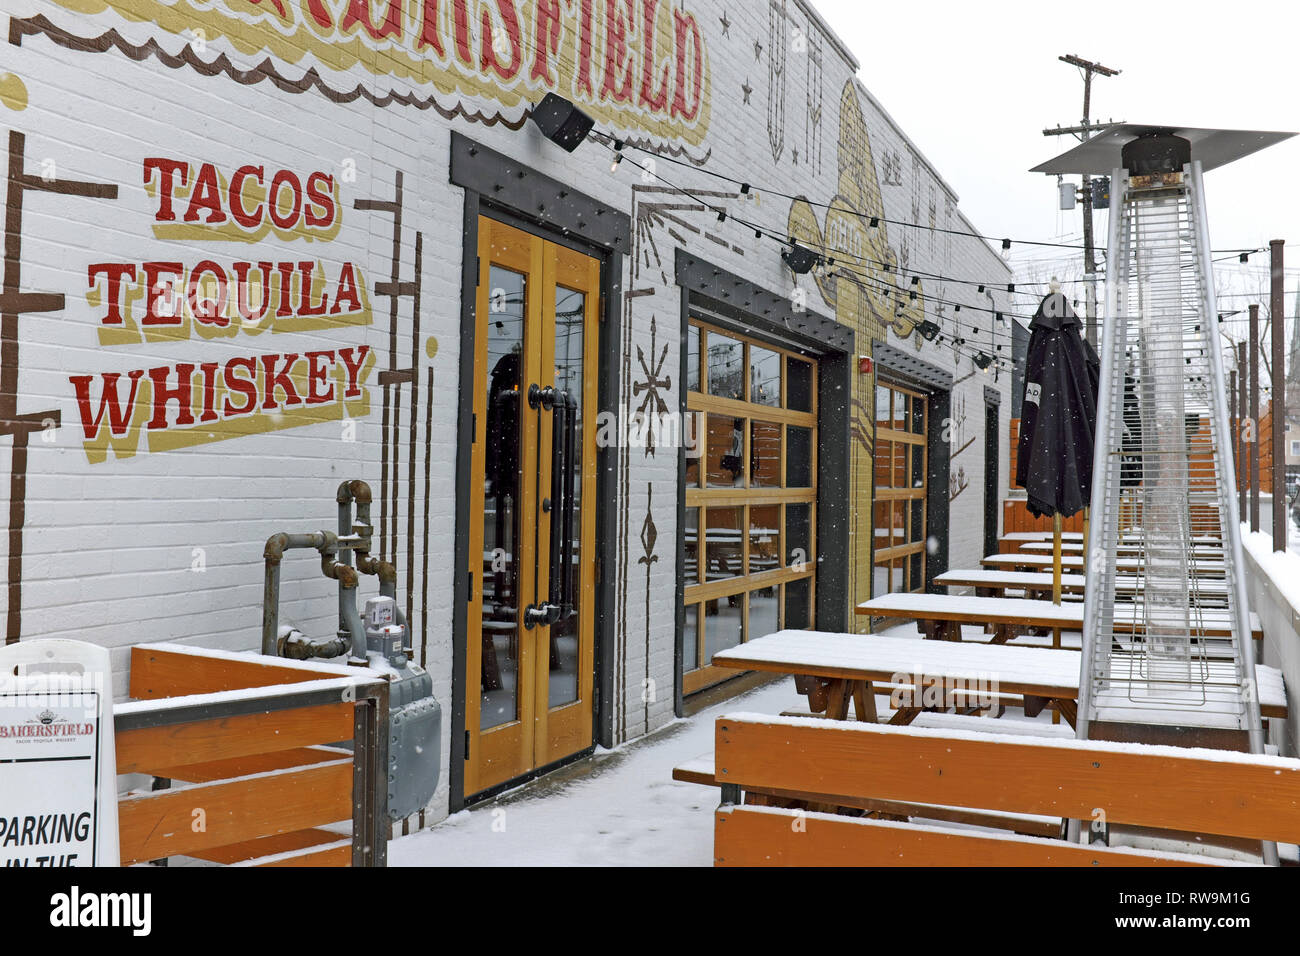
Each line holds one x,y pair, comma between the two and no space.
701,771
1178,790
251,741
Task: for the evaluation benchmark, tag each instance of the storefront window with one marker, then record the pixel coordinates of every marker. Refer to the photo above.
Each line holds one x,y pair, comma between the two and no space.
750,497
900,490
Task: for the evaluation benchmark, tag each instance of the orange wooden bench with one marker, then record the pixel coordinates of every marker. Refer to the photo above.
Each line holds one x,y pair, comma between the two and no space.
1182,791
243,748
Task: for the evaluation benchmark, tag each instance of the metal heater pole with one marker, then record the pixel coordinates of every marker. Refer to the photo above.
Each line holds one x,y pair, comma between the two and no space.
1277,404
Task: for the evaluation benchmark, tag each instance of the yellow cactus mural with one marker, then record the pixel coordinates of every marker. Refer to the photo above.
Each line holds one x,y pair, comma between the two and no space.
863,291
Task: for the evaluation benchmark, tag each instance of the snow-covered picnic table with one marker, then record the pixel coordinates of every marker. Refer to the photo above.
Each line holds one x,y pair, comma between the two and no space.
1124,549
992,582
847,665
940,616
1209,567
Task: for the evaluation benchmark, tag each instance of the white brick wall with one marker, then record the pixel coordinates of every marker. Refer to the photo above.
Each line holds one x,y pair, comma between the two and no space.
110,546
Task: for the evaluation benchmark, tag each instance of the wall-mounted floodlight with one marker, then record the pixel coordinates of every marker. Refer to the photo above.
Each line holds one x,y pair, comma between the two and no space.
561,122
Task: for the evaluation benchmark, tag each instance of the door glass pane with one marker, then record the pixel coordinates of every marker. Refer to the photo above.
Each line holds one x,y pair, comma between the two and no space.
690,638
883,463
693,359
798,457
899,418
798,385
882,406
764,454
899,479
764,538
723,543
726,367
918,416
764,376
797,599
915,580
880,519
895,576
692,546
722,624
726,451
570,315
918,525
763,613
918,466
499,700
880,580
898,527
798,535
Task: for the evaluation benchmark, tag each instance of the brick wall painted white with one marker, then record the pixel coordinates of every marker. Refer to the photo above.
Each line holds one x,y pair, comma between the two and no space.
110,546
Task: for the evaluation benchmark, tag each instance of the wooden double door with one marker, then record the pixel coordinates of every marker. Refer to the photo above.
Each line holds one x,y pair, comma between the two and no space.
529,659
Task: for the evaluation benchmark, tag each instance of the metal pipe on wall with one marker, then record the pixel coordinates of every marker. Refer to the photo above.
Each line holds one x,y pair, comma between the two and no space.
273,554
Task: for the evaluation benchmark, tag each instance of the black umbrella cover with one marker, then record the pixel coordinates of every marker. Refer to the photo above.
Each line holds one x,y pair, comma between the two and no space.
1059,412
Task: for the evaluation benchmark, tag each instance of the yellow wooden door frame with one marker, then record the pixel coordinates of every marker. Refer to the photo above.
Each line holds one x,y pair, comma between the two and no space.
540,735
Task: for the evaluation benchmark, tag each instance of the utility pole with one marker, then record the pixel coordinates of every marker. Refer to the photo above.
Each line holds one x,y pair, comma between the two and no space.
1243,467
1253,355
1084,132
1277,404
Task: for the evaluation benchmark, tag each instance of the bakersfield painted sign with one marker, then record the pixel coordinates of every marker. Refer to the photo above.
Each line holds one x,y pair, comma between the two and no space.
636,65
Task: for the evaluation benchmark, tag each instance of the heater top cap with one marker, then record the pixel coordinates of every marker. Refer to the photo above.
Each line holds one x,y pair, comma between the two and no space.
1213,147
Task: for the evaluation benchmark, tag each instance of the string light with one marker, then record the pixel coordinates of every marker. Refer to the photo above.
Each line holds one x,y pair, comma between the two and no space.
875,220
759,233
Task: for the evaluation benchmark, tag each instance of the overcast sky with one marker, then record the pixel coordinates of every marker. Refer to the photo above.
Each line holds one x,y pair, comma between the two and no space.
974,84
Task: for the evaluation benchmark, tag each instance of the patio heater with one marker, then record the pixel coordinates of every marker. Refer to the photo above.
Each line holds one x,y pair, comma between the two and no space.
1175,665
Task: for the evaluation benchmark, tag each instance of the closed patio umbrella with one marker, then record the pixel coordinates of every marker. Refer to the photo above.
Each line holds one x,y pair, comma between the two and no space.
1058,418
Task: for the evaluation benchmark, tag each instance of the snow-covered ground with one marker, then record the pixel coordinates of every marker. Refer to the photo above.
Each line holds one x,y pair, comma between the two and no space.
618,808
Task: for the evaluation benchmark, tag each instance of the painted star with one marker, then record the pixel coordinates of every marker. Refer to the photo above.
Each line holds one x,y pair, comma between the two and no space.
726,24
746,89
758,49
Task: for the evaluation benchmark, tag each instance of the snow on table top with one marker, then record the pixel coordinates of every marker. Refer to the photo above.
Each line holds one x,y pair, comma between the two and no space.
994,608
1041,536
813,651
1010,578
997,576
808,651
1002,609
1277,764
1076,560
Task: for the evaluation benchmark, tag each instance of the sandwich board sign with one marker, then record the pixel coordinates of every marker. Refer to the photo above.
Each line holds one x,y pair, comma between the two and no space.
58,782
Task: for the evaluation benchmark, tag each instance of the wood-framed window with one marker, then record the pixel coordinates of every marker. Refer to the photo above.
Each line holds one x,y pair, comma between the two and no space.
901,480
751,495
